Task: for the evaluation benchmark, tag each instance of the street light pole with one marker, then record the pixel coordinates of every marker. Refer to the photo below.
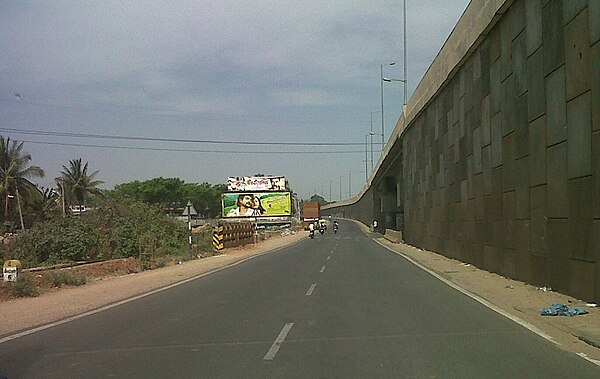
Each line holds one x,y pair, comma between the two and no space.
403,82
366,160
382,118
372,134
349,184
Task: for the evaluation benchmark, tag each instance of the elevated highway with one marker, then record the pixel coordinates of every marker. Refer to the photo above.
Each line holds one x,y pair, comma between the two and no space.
496,160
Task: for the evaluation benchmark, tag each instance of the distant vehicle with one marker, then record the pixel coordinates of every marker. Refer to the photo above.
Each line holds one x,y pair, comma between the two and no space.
324,223
76,210
311,212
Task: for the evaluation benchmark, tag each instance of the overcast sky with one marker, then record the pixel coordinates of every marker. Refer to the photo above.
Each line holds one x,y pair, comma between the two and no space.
73,73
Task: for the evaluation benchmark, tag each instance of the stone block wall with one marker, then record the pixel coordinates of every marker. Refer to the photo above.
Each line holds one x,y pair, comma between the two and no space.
501,168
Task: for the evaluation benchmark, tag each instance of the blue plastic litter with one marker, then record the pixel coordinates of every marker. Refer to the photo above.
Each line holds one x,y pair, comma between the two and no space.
562,310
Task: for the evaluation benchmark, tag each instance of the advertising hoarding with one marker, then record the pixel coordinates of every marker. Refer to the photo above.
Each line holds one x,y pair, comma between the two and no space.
256,204
256,183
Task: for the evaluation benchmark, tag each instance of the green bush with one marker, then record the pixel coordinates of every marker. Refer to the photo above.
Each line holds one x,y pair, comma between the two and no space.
116,229
129,228
65,277
59,240
25,286
204,241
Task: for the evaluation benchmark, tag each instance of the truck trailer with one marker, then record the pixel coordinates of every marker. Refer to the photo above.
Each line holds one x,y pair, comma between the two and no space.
311,212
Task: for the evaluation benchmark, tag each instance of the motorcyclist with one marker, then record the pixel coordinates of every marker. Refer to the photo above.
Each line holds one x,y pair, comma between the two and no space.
311,230
335,226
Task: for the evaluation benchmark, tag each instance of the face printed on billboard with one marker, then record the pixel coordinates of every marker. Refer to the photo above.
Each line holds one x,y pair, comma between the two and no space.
257,204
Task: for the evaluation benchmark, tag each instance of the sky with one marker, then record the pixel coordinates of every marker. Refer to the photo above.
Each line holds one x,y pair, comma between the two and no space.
202,90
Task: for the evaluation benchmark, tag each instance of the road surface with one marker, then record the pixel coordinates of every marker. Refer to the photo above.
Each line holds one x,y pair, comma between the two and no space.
338,306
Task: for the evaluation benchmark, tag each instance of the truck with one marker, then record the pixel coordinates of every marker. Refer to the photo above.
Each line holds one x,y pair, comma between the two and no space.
311,212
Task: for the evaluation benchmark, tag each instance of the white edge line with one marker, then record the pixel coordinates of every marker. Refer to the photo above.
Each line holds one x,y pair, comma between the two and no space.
311,289
278,341
125,301
481,300
584,356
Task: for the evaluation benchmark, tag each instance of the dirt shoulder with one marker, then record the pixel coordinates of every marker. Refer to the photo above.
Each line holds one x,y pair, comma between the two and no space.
25,313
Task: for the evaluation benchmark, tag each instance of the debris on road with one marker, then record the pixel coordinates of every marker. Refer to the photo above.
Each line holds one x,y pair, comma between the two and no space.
562,310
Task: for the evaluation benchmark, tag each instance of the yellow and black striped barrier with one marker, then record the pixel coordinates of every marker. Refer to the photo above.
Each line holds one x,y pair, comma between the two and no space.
230,235
218,238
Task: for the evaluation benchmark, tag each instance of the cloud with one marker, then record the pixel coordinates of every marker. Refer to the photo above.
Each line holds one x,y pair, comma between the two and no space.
212,68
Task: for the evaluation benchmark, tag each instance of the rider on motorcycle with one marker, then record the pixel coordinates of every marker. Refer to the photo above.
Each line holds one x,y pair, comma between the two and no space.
311,230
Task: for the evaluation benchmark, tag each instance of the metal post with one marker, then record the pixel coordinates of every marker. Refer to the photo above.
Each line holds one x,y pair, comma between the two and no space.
371,132
349,184
382,118
366,160
189,215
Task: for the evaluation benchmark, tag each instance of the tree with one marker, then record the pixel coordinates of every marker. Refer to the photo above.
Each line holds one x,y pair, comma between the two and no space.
47,206
78,184
14,174
320,199
173,193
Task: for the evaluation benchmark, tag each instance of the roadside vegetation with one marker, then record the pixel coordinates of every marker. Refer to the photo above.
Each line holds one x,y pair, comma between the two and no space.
45,226
116,229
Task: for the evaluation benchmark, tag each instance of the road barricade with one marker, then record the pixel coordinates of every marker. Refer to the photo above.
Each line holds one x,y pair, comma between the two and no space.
230,235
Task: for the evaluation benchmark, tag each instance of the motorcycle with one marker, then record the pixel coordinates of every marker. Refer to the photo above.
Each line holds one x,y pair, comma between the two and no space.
322,231
311,234
335,229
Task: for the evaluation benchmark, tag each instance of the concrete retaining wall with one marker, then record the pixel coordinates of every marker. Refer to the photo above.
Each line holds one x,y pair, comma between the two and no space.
500,149
502,167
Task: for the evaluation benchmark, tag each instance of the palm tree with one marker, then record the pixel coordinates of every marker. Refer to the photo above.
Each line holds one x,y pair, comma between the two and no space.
48,204
78,183
14,172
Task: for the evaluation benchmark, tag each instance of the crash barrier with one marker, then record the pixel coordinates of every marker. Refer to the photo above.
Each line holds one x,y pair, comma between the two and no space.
230,235
393,235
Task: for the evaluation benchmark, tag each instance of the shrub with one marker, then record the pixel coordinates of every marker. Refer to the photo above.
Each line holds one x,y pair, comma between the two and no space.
204,240
126,228
116,229
25,286
65,277
55,241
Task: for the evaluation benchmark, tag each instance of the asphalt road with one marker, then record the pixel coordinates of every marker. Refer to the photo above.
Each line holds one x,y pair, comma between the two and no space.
338,306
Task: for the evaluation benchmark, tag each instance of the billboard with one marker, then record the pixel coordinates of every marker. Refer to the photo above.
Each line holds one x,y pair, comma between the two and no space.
255,183
256,204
